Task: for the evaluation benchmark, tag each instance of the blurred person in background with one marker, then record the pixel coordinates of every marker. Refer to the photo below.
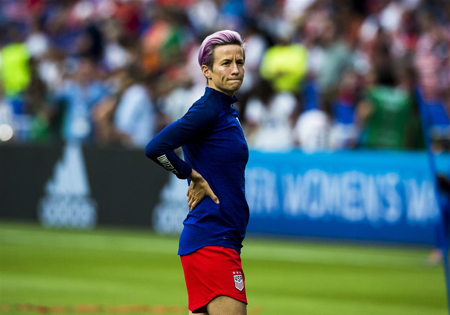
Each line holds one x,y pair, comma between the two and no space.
52,68
432,63
178,100
6,118
128,117
15,63
405,37
381,15
270,118
344,132
216,154
335,38
386,114
336,58
203,15
163,40
37,40
120,49
312,130
129,15
233,14
90,43
256,44
37,103
77,97
15,76
285,63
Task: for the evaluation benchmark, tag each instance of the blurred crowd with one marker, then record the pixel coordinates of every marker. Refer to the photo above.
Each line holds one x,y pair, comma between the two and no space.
320,74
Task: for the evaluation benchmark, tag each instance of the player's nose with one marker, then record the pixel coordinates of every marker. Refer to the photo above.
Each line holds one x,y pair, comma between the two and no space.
235,68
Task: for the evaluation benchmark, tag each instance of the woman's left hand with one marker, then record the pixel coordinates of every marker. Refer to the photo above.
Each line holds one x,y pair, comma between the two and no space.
198,190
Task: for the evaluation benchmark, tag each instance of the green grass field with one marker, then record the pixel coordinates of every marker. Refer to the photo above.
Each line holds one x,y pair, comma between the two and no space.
114,271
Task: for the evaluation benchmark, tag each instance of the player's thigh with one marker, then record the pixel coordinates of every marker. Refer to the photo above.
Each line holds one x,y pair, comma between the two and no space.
225,305
190,313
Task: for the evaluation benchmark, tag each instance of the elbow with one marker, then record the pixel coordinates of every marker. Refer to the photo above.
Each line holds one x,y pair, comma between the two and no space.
155,149
150,151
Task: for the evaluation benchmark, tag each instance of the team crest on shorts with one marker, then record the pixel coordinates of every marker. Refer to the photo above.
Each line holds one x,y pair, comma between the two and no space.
238,280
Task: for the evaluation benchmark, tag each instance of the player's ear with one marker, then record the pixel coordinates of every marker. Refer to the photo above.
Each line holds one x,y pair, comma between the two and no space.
206,72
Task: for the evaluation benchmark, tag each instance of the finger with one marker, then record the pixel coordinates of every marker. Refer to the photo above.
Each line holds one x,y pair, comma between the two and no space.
189,189
213,197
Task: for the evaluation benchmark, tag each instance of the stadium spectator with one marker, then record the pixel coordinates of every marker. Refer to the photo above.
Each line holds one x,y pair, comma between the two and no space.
120,49
15,68
77,97
285,63
385,115
180,98
37,41
256,45
344,132
128,117
336,59
304,47
432,63
15,76
162,41
90,43
36,102
269,118
203,15
312,131
6,118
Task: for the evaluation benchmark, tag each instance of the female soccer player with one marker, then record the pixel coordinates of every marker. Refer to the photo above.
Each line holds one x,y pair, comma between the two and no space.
216,154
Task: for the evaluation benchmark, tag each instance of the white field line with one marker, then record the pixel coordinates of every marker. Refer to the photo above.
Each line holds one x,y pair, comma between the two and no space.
258,252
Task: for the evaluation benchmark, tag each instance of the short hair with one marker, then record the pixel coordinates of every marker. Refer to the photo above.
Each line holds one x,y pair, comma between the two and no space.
220,38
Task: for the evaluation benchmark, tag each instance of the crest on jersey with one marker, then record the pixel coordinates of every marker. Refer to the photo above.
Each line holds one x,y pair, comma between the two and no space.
238,280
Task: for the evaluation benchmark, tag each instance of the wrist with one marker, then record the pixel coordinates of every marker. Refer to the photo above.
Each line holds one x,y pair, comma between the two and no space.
195,176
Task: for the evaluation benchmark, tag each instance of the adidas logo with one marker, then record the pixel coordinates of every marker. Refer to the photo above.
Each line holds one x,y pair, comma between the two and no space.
67,202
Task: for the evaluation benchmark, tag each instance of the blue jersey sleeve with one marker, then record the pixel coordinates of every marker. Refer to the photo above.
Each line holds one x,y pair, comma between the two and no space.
195,123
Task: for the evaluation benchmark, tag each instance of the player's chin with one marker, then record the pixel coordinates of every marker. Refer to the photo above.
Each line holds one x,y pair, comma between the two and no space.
235,85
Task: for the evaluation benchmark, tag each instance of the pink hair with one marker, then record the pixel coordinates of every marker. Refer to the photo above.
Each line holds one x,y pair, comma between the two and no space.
225,37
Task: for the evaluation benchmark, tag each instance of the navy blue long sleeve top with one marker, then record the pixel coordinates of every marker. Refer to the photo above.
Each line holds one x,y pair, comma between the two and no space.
214,145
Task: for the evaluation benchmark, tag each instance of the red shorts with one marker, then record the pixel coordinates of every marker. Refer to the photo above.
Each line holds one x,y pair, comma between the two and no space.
210,272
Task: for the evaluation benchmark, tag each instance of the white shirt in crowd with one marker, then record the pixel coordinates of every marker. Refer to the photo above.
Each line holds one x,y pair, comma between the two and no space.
274,131
135,115
312,130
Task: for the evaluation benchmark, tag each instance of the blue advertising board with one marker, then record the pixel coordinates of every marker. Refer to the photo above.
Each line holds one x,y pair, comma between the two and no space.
382,196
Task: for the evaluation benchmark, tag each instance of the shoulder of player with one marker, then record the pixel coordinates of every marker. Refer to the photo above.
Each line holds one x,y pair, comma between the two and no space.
207,106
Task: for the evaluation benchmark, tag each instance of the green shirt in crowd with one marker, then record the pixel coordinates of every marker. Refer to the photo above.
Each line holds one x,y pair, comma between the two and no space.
388,125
